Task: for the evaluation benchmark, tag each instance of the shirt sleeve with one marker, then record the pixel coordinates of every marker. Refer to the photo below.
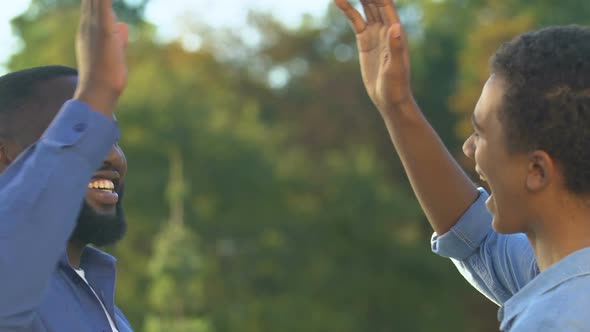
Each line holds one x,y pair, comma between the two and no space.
41,194
497,265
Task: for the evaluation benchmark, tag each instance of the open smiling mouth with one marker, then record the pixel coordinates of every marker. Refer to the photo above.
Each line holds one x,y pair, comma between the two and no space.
102,189
478,171
490,203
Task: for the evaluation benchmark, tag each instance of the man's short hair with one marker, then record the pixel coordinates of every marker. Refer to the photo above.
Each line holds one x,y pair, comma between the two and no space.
546,105
19,90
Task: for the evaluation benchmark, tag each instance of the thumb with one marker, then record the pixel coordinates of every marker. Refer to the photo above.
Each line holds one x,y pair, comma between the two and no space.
395,38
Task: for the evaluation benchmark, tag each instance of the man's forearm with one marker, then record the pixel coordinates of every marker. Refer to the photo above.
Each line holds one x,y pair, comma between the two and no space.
441,186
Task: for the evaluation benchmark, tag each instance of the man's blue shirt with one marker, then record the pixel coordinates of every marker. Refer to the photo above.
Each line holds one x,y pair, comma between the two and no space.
41,194
504,268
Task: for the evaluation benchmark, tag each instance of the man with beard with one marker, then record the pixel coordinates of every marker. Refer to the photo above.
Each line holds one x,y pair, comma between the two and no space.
526,245
59,193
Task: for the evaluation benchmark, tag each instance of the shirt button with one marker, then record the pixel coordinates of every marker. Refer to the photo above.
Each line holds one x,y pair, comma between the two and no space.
80,127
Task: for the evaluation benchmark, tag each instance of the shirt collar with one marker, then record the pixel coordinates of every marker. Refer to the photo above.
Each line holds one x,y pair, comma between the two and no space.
91,257
574,265
100,272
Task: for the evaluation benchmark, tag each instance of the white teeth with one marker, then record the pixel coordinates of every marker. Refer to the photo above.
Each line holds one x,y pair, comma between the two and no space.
102,184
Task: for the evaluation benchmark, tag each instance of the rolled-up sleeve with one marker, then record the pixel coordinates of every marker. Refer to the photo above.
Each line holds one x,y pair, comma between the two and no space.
465,237
497,265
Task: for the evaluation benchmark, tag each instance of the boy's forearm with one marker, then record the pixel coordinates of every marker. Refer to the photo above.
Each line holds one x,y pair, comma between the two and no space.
441,186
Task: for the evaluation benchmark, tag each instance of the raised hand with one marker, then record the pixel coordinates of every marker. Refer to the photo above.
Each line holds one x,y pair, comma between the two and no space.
100,49
383,52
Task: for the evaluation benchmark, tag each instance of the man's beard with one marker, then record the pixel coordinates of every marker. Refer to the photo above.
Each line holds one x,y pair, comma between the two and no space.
98,229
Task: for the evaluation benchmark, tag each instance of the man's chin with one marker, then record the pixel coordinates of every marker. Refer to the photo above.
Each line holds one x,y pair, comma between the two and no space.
104,210
99,227
106,214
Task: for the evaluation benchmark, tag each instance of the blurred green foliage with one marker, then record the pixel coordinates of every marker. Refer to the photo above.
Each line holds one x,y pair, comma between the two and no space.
256,206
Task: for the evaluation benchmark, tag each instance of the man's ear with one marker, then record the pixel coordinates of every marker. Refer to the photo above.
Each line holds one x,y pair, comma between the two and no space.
3,158
6,157
541,171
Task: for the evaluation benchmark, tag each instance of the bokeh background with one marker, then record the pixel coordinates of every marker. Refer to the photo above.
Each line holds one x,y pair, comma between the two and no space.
263,192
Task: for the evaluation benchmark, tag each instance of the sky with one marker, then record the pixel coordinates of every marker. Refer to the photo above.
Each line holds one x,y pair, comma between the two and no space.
166,13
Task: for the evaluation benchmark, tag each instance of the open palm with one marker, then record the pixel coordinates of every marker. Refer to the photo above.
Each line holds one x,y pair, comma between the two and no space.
100,49
383,52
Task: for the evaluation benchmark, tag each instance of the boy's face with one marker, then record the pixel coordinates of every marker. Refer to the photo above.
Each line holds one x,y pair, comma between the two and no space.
506,173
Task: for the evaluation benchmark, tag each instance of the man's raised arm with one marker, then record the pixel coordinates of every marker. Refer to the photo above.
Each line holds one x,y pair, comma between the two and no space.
43,189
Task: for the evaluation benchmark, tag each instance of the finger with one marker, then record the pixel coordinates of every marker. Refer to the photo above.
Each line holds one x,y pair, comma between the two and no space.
106,6
123,31
387,11
85,10
106,14
395,34
355,18
371,12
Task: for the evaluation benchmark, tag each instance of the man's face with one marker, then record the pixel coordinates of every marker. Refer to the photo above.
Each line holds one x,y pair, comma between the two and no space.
101,220
504,172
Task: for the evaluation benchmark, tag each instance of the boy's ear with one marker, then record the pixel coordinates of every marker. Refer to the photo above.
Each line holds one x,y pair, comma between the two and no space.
541,171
